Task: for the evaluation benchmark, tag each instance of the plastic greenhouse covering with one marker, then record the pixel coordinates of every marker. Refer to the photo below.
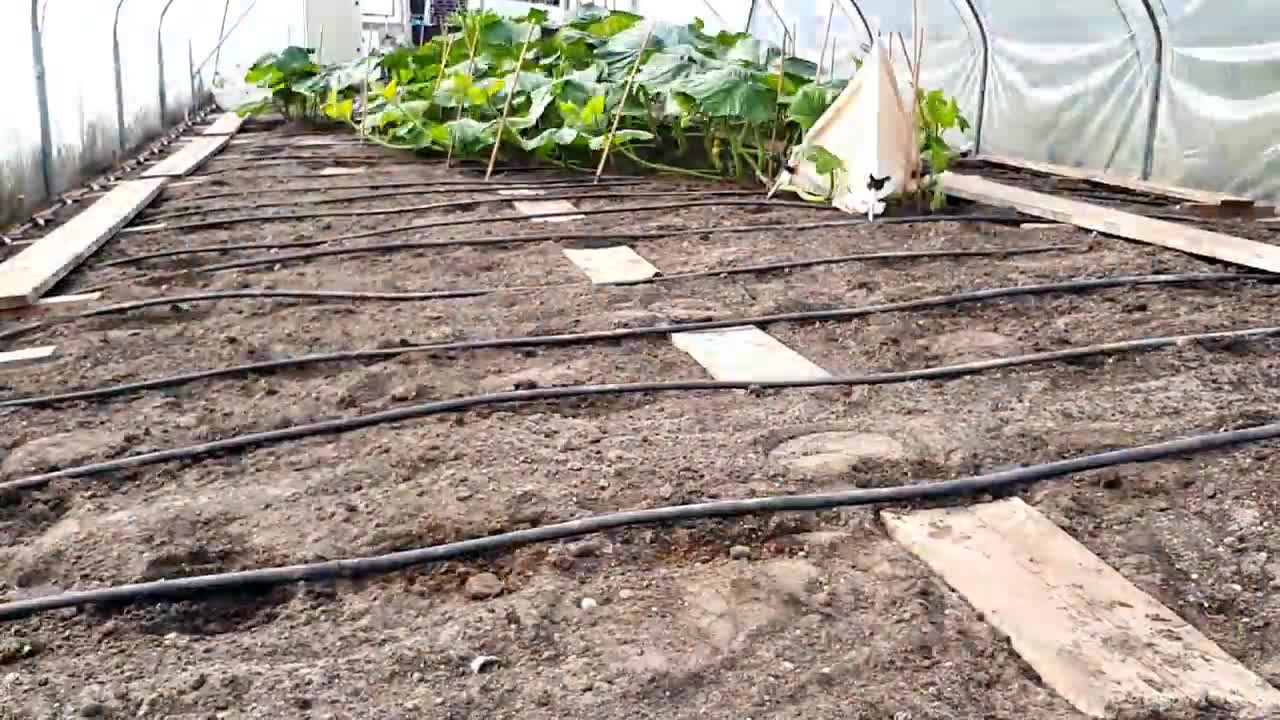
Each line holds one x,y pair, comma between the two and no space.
1183,92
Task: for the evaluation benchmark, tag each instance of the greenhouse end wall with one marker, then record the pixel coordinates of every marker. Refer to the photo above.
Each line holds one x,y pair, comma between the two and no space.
1186,92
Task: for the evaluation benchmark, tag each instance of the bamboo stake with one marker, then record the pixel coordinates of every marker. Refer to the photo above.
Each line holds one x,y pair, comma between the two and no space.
826,37
506,107
444,63
471,61
626,92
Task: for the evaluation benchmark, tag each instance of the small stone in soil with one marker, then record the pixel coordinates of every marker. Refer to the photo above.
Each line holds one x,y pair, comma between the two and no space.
482,663
484,586
588,604
586,548
739,552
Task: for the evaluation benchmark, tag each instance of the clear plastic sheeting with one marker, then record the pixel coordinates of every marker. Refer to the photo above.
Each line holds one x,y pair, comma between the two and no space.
1219,121
1074,91
92,120
1184,92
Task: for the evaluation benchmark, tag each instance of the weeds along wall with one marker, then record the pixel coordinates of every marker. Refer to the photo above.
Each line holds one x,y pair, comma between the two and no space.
1185,92
77,40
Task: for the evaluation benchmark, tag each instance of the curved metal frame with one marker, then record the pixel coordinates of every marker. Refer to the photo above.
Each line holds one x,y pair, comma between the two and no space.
115,56
164,94
1153,114
862,16
982,83
42,99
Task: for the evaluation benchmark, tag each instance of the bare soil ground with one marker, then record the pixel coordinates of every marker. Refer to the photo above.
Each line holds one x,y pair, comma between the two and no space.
787,616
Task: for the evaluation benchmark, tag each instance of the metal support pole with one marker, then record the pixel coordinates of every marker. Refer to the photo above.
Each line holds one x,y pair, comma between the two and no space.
1153,115
164,94
216,53
865,25
42,100
222,35
115,57
191,69
982,83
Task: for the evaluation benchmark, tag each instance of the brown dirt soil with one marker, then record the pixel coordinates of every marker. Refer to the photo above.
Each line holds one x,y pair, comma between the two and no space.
812,615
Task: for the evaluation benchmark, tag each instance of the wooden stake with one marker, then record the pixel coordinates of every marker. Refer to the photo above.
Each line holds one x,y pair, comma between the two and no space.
471,62
626,92
506,107
826,36
444,63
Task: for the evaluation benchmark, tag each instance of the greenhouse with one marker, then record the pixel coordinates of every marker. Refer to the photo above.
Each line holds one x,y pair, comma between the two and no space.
906,359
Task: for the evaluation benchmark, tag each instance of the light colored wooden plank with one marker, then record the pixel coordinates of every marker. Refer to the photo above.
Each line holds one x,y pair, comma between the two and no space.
534,207
27,275
342,171
611,265
27,356
56,305
1186,238
189,158
226,124
1144,186
185,183
142,228
746,353
1088,632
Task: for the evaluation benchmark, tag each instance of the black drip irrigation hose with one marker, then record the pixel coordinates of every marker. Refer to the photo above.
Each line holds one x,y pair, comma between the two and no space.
339,295
372,212
200,587
375,183
625,333
473,187
614,233
455,405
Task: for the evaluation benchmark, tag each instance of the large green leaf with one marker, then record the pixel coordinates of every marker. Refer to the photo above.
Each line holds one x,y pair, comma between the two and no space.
552,136
753,53
809,104
734,92
671,66
613,24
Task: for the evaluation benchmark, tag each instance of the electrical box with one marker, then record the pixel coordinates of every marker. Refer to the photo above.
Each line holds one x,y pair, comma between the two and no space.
334,30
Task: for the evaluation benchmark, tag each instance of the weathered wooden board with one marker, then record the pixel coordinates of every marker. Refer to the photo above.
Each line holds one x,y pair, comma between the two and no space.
534,207
611,265
27,356
189,158
1143,186
1186,238
1087,631
746,353
27,275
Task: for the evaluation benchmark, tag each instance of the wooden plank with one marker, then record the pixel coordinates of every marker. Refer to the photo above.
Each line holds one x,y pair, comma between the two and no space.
1144,186
1186,238
27,356
611,265
534,207
142,228
226,124
342,171
1088,632
189,158
746,353
29,274
55,305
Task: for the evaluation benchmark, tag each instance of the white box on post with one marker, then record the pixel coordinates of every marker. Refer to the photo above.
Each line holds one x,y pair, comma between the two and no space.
335,30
